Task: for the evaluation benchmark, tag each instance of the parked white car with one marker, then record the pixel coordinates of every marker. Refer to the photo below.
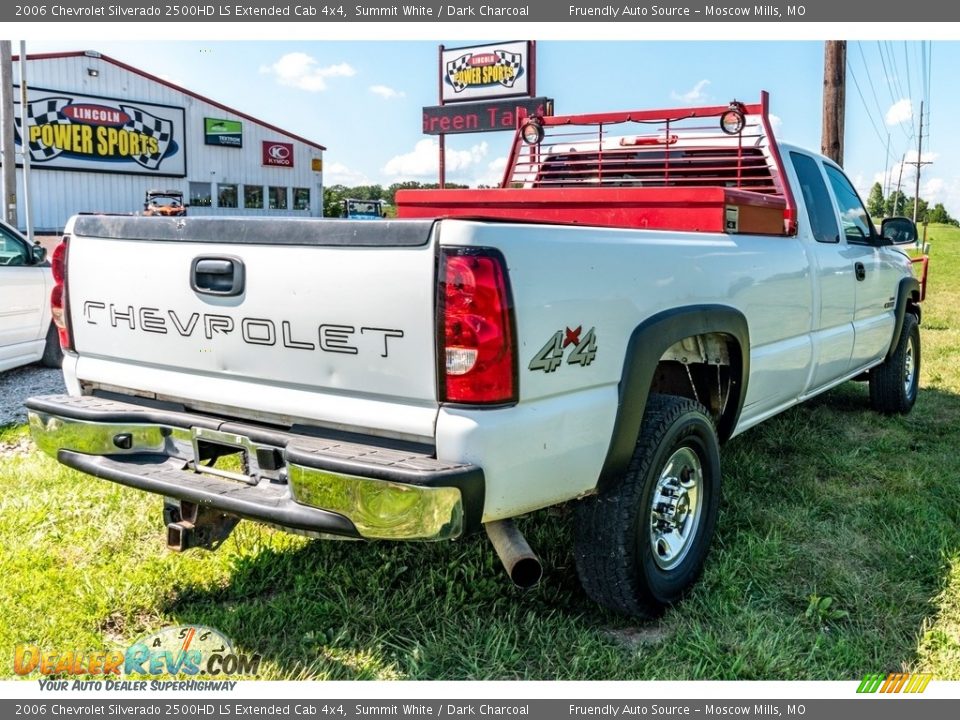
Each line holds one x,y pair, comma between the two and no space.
27,333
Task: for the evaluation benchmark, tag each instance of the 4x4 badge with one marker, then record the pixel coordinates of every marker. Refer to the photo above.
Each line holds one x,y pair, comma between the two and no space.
550,355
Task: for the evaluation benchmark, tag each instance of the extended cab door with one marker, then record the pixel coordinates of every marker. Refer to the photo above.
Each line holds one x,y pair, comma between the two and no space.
833,271
22,297
873,318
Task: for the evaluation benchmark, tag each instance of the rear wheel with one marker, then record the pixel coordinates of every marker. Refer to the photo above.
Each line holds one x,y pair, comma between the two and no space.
641,544
52,354
894,385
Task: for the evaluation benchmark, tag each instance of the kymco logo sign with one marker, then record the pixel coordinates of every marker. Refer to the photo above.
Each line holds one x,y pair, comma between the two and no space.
277,153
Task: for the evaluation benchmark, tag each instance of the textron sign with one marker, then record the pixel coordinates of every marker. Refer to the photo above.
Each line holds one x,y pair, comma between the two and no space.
68,131
277,153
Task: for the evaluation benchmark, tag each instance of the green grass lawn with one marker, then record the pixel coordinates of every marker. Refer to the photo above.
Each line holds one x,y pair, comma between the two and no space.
837,555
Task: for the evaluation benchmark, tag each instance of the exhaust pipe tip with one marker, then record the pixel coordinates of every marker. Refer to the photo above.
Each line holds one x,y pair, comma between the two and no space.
526,572
521,563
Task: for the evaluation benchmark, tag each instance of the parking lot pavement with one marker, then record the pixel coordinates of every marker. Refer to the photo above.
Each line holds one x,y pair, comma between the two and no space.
20,383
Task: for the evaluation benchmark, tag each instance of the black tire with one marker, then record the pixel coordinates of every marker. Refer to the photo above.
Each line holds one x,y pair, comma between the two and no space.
894,385
614,537
52,354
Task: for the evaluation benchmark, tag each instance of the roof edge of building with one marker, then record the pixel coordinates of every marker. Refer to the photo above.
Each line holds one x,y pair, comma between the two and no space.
172,86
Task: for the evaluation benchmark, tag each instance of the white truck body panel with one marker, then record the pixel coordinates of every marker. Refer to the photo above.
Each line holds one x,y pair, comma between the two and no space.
346,340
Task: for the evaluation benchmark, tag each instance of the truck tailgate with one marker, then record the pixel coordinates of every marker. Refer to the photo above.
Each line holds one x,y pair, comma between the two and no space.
335,308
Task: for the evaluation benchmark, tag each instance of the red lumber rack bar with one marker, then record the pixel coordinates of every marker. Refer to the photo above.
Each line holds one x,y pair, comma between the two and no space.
669,169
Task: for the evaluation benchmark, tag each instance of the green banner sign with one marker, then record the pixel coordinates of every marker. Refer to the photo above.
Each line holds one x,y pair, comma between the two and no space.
223,132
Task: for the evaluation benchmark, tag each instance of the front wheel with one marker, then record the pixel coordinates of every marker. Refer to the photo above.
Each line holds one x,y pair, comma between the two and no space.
894,385
641,544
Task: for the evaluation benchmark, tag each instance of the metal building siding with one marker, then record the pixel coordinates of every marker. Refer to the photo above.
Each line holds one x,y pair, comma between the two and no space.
58,194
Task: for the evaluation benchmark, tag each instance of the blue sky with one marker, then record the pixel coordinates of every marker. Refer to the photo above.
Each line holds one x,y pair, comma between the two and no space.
363,99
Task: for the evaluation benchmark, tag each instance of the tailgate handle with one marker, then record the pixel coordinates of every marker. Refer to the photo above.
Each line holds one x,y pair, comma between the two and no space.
217,275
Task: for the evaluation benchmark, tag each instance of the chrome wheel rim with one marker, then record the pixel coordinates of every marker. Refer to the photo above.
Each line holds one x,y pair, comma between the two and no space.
908,370
676,508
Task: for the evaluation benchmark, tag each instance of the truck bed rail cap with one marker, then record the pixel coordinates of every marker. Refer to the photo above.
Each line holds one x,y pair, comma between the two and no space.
257,231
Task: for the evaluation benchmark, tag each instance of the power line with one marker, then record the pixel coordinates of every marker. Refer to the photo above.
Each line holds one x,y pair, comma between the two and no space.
863,100
892,57
886,72
906,60
895,94
870,79
929,75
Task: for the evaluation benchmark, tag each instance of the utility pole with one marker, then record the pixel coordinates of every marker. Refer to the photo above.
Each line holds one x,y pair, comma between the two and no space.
896,198
834,99
918,164
886,169
25,141
8,188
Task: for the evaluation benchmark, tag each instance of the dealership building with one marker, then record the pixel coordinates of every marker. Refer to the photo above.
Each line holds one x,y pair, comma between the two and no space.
102,133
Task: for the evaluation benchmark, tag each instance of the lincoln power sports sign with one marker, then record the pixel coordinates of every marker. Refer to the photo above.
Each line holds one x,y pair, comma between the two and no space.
68,131
484,72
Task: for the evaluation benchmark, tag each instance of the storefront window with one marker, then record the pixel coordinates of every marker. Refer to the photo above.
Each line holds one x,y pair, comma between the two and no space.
301,198
227,196
253,197
278,198
200,194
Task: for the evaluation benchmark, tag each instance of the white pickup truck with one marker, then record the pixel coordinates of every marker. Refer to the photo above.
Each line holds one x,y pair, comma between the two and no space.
641,288
27,333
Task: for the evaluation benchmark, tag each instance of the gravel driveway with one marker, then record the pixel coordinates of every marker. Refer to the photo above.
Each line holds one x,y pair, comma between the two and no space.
20,383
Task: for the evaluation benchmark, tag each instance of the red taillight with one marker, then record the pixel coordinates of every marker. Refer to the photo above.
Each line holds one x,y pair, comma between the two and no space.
58,296
475,329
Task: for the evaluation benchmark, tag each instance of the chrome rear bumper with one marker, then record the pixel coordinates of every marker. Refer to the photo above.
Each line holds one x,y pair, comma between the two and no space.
328,484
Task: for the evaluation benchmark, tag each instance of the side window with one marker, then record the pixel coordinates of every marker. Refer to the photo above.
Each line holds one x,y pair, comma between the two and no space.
823,221
856,223
13,250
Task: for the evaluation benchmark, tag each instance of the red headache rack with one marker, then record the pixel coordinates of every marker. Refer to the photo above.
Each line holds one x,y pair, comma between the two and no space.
706,169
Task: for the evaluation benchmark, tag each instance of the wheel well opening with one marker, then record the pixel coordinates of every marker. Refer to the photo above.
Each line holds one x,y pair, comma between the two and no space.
705,368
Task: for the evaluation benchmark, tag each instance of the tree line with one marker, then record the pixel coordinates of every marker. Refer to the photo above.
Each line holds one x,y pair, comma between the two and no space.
334,195
878,206
899,204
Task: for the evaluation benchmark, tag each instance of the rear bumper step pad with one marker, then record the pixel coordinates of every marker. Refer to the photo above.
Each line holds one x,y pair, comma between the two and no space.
356,486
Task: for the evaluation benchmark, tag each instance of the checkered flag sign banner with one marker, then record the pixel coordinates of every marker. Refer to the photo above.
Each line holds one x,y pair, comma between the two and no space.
42,112
504,59
146,124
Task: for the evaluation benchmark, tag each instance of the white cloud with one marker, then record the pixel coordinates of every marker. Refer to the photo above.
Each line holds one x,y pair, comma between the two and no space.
493,173
302,71
776,122
900,111
387,93
928,157
339,174
933,190
695,94
423,161
942,190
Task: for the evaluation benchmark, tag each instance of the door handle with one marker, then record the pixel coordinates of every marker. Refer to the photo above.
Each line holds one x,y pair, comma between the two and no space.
860,271
221,275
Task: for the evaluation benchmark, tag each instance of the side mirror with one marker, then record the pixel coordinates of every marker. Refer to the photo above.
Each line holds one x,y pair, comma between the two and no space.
39,253
899,230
